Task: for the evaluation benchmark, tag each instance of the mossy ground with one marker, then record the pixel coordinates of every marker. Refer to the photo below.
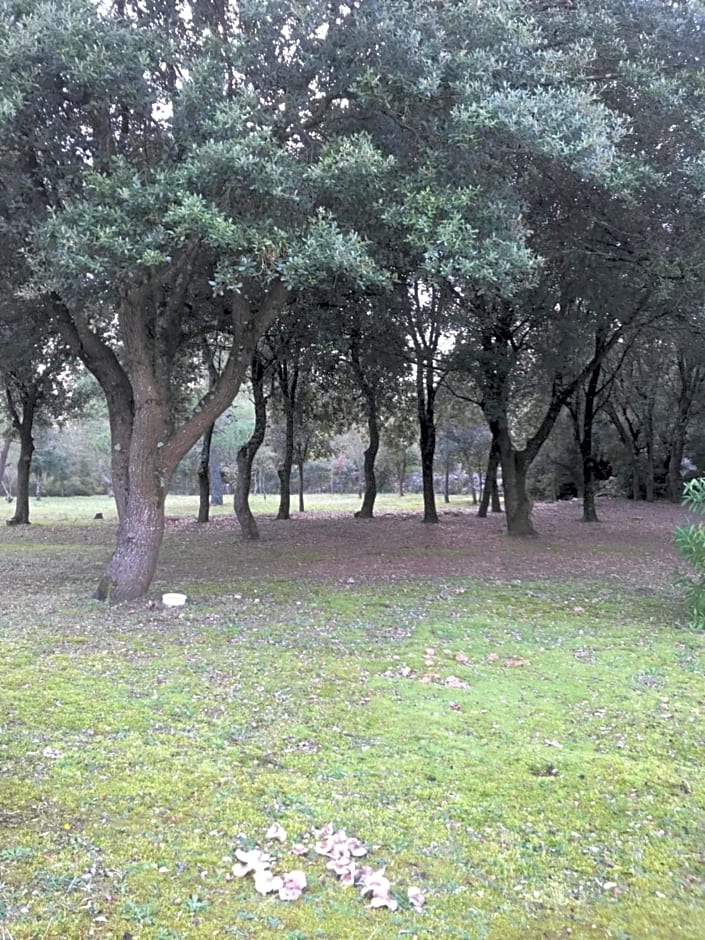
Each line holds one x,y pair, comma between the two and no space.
538,775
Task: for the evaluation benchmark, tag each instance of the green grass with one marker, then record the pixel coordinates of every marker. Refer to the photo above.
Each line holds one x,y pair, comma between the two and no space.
78,510
557,791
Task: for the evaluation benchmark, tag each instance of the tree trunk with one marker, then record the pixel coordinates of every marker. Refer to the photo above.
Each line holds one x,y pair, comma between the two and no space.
24,467
247,453
134,562
586,445
366,511
4,453
517,505
288,381
204,479
401,473
428,446
215,478
300,467
495,502
446,481
284,474
489,490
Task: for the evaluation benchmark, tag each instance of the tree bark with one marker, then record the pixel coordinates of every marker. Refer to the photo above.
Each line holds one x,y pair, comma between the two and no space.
691,379
490,486
22,413
300,467
24,466
366,511
247,453
288,373
517,505
215,479
134,562
401,473
204,477
586,444
4,454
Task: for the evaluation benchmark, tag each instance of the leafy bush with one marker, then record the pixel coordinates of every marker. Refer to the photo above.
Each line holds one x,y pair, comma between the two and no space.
690,541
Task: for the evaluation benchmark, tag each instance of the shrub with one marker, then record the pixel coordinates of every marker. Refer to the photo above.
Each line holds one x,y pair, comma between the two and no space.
690,541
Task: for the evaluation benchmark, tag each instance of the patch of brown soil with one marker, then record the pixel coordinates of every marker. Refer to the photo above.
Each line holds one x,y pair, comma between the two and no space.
632,545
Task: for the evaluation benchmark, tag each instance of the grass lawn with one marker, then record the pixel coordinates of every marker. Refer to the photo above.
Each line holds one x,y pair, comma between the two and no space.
527,752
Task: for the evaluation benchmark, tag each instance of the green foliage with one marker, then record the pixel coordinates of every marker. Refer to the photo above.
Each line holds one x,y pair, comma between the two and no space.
690,540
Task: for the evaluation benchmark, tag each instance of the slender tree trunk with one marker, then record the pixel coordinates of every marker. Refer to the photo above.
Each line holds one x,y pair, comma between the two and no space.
446,481
366,511
650,467
247,453
428,447
215,479
288,381
4,454
300,467
401,474
284,471
425,394
204,479
587,447
490,486
495,502
24,468
636,476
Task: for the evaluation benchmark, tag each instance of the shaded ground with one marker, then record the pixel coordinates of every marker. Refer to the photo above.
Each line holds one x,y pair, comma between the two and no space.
632,545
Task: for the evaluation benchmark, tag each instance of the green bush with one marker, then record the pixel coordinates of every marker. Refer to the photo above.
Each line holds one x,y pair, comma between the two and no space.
690,541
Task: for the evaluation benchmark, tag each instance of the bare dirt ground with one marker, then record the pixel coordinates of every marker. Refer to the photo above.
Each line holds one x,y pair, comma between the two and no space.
631,545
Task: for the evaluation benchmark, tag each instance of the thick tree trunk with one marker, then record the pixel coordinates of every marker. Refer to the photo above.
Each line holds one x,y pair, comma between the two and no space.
247,453
24,469
366,511
517,505
133,565
204,477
